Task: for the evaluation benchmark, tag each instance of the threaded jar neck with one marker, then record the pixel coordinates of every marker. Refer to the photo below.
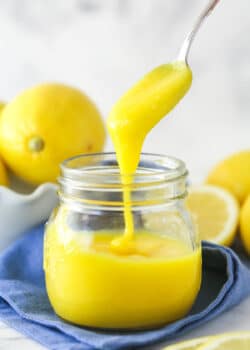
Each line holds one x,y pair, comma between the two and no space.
94,180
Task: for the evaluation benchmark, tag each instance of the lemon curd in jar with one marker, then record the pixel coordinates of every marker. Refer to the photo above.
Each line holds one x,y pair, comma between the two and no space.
92,284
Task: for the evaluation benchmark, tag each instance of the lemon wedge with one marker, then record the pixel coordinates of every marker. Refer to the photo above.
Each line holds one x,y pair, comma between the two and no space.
228,341
192,344
215,212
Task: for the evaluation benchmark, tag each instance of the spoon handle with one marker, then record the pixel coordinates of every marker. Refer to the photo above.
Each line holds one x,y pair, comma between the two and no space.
184,51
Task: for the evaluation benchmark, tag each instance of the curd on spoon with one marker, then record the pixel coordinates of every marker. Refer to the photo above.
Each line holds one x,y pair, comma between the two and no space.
132,118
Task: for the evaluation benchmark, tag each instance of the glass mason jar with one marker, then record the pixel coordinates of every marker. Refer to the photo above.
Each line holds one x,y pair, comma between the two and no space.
87,282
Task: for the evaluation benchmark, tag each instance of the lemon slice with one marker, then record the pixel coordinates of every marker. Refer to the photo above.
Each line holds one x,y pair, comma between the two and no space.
215,212
228,341
192,344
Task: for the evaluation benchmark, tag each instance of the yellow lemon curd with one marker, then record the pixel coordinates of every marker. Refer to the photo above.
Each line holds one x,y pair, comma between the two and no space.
142,107
126,279
88,284
132,118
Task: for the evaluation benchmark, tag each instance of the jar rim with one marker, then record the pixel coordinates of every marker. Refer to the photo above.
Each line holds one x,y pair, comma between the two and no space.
166,167
94,180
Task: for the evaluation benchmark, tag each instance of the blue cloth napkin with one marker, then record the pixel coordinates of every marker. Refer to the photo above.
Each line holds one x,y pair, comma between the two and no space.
24,304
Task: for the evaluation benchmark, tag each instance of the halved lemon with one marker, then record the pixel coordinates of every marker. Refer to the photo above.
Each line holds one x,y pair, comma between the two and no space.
228,341
215,212
192,344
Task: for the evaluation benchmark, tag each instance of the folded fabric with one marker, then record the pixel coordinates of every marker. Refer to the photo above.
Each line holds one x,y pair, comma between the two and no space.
24,304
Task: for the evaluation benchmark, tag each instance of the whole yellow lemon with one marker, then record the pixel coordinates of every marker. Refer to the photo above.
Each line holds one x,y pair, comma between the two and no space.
233,173
45,125
245,224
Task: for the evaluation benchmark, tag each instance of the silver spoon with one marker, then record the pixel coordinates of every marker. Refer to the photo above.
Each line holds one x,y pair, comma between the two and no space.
185,48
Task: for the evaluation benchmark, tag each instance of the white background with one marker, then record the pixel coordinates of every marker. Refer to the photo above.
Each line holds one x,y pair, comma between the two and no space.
104,46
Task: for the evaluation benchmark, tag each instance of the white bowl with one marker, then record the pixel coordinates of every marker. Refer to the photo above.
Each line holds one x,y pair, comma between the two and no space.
20,211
